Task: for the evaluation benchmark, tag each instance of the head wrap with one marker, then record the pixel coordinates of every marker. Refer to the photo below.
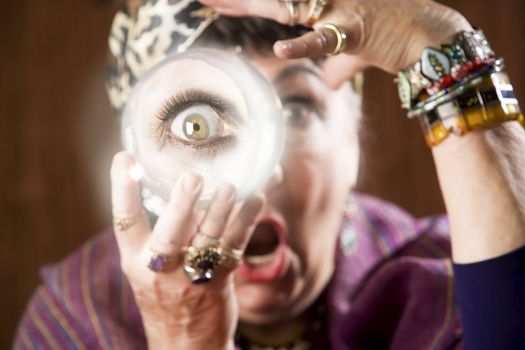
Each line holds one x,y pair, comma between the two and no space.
144,33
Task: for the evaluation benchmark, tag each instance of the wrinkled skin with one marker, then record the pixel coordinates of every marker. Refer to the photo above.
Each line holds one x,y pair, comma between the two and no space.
388,34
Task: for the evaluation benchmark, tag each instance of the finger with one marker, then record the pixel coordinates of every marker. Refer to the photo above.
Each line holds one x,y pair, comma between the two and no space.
242,226
227,11
341,68
312,44
322,41
177,222
126,204
239,4
275,9
216,217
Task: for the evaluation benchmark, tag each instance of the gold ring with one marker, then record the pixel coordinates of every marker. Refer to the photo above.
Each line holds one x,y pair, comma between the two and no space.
230,258
315,10
200,263
124,223
205,239
341,37
292,10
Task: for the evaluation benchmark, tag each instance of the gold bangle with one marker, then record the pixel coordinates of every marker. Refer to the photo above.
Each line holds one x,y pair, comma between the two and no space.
437,132
489,104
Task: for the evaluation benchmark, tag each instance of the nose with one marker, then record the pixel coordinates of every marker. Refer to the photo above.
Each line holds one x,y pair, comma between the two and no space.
275,180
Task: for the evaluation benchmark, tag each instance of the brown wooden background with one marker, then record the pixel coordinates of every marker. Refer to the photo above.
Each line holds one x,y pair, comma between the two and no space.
57,134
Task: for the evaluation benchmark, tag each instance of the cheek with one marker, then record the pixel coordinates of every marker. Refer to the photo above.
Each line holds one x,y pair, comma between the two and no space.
318,177
301,175
312,175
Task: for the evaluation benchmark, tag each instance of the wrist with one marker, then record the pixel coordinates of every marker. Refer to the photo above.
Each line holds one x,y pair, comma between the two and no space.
175,330
185,324
163,338
434,36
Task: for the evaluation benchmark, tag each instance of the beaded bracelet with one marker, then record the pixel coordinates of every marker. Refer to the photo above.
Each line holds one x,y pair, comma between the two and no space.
439,69
447,94
458,89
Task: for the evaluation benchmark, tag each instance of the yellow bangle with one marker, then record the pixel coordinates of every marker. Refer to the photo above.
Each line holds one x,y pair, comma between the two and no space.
490,103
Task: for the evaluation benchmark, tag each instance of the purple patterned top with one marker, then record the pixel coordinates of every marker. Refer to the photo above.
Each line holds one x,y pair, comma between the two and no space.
393,288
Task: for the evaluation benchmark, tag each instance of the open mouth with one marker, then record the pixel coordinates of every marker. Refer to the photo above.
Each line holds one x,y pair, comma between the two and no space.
265,256
263,244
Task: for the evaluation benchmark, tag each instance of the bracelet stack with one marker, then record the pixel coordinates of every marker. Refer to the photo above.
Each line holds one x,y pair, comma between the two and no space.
459,88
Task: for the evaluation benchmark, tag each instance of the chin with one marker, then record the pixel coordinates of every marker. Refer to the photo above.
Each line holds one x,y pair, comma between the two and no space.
259,305
266,303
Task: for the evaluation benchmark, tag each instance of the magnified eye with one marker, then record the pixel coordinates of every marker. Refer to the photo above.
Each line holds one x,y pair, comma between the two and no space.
195,127
198,120
199,124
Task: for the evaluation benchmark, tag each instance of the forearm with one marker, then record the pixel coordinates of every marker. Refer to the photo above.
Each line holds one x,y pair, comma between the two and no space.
482,178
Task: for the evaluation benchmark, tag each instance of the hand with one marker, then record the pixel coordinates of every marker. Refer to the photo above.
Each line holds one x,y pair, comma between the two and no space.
388,34
177,314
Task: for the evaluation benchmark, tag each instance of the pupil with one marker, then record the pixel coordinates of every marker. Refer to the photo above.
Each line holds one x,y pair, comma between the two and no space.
195,128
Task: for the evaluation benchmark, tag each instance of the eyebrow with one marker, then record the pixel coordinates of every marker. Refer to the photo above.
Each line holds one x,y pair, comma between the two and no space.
295,70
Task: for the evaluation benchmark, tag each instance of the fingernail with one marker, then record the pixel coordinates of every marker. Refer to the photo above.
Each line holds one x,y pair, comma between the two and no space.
255,204
136,172
192,183
122,162
226,192
283,48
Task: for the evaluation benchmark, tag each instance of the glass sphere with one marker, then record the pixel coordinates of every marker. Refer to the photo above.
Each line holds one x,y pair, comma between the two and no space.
206,111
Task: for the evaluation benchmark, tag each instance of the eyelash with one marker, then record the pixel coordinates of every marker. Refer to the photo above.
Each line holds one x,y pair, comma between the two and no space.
174,105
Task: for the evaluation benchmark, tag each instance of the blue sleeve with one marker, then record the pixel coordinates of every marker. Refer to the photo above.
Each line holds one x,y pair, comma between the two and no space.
491,297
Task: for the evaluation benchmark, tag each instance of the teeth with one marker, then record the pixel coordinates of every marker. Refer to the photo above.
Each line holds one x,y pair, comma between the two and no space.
256,260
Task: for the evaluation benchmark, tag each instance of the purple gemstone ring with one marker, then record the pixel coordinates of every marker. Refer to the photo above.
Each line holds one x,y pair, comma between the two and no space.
201,262
160,262
198,276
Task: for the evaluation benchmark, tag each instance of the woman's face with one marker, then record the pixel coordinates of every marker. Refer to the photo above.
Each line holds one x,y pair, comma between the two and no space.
290,257
280,280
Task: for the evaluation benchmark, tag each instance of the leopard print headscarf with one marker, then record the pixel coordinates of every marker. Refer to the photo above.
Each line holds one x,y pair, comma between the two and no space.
144,33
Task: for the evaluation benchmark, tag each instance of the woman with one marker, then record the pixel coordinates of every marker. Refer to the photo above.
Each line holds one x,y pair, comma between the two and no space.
318,271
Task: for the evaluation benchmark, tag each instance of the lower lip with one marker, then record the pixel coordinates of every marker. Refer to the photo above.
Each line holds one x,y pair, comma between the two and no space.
268,272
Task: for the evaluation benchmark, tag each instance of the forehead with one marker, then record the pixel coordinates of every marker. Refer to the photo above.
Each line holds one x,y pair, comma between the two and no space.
276,69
